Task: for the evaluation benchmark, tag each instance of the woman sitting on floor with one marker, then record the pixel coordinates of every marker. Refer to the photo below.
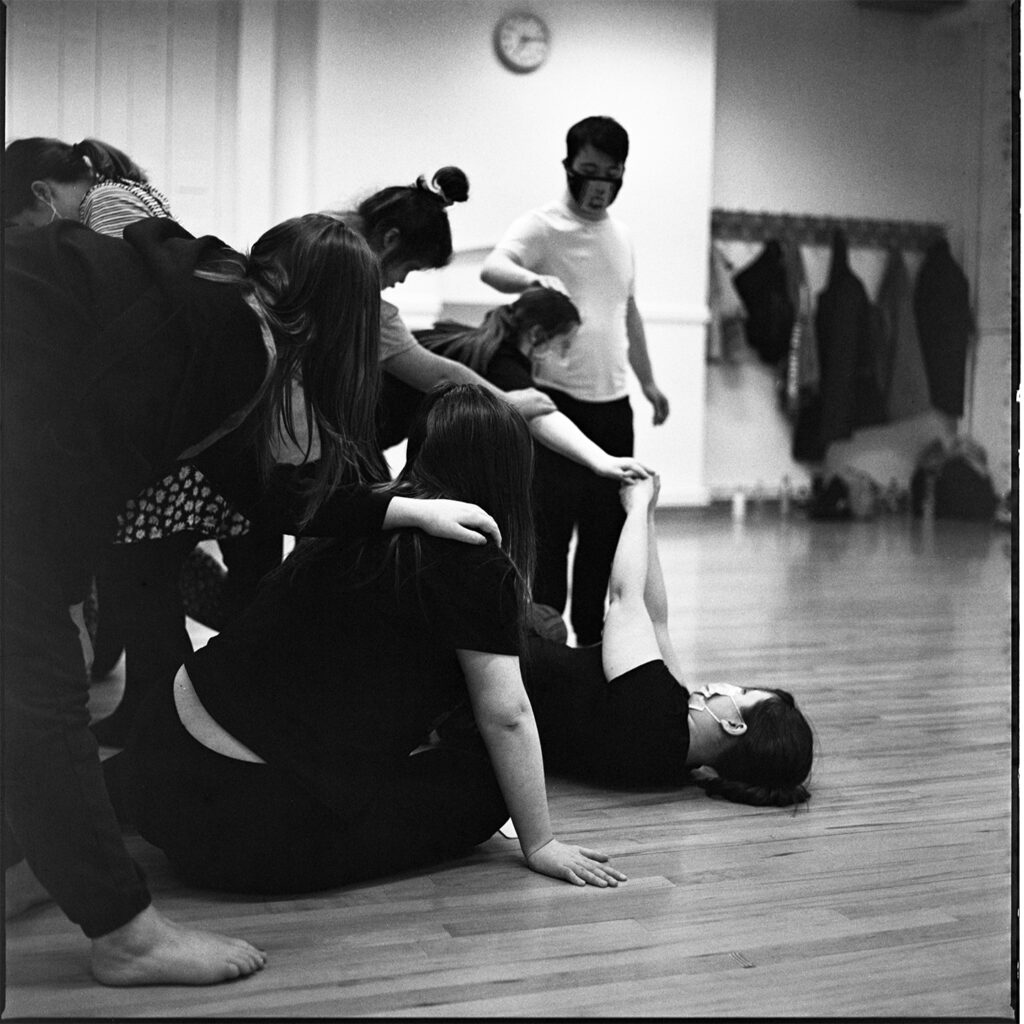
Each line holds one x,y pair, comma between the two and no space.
617,713
285,756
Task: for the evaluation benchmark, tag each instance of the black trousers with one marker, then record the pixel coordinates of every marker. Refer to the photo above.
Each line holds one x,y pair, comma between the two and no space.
236,826
140,587
56,810
569,497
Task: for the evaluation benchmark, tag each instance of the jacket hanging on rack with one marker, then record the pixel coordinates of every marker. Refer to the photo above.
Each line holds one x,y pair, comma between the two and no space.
904,381
944,326
847,329
726,337
763,289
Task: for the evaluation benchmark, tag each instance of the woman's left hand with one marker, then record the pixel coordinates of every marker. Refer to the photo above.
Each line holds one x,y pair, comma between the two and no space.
443,517
575,864
623,468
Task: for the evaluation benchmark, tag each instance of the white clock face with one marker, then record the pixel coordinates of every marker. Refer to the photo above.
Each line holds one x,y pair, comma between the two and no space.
522,41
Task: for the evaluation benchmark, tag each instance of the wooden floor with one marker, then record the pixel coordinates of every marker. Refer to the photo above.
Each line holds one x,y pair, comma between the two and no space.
890,896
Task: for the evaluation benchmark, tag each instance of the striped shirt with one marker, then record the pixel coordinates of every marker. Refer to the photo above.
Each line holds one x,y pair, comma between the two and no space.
110,206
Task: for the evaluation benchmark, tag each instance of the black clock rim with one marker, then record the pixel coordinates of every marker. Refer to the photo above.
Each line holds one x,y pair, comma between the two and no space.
496,38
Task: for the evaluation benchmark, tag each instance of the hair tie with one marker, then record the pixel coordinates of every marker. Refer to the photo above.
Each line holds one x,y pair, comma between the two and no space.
434,189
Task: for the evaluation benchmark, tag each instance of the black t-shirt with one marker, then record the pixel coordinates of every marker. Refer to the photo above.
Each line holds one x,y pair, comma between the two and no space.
630,731
332,680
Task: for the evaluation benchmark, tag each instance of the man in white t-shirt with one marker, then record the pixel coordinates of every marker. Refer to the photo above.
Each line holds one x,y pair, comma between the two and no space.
573,244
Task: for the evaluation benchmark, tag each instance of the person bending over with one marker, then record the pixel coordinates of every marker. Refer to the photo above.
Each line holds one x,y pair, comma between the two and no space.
407,227
506,348
283,758
122,359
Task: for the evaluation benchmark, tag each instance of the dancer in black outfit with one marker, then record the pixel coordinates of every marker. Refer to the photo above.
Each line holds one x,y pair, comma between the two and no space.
286,754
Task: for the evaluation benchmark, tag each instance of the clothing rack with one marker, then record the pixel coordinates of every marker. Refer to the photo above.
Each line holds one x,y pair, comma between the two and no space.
812,229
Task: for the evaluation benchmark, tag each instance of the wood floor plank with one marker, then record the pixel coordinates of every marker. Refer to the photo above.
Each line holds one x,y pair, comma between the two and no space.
889,895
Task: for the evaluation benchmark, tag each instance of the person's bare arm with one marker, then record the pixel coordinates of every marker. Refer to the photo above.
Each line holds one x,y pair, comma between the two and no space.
655,596
557,432
640,360
505,719
422,369
504,272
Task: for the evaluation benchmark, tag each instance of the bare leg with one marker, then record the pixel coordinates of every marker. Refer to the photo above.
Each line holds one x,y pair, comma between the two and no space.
150,950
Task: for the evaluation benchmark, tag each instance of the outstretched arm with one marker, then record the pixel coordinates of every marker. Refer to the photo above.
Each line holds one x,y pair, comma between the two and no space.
505,719
422,369
635,627
655,597
560,434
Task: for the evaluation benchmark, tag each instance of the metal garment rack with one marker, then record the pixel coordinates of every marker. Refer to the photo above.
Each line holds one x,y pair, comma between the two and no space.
812,229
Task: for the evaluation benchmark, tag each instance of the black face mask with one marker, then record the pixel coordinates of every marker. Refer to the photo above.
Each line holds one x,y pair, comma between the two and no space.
580,184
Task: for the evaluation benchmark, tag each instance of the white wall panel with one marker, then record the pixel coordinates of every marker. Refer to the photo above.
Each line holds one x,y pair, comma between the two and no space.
156,78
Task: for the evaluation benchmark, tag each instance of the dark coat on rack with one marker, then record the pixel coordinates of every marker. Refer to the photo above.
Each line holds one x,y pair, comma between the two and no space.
944,325
764,290
903,379
847,329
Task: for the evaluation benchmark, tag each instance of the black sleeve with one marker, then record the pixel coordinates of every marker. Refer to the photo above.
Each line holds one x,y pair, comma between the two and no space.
469,594
630,731
232,468
642,731
507,373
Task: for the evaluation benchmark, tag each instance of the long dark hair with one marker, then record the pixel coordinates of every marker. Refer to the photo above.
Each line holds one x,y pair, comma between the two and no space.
318,286
770,763
465,444
40,158
417,211
552,311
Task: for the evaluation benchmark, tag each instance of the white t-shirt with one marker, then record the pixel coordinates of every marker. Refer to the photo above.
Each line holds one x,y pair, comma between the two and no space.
596,263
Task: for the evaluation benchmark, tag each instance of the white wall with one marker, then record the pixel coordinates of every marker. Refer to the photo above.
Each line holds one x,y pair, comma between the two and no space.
157,79
247,111
406,86
833,109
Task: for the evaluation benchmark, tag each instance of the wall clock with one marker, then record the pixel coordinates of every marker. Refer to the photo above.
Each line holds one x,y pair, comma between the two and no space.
522,41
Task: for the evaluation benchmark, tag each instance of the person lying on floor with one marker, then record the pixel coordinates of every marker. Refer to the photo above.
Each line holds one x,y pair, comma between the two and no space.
283,757
618,712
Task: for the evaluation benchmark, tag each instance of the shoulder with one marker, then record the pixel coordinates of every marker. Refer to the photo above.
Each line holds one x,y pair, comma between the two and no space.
486,559
531,223
391,320
107,203
509,369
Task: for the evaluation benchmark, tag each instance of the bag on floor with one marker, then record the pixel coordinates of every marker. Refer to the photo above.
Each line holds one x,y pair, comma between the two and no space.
958,480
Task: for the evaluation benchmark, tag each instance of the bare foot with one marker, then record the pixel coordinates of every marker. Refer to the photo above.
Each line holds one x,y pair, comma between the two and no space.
22,890
150,950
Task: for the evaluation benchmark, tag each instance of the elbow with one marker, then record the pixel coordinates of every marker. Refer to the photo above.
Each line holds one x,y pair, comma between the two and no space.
512,717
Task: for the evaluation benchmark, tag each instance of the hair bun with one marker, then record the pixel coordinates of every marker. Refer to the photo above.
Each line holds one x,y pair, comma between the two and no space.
452,183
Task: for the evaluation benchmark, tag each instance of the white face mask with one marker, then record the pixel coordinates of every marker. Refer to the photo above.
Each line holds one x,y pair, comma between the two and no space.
735,727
